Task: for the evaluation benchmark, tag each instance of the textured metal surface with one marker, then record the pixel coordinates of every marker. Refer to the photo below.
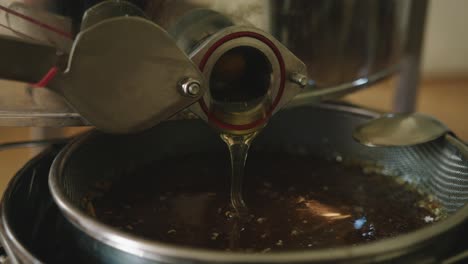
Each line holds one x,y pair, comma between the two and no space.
440,168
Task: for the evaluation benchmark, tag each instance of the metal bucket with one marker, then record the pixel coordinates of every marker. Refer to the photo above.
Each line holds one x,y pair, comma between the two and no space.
32,230
440,168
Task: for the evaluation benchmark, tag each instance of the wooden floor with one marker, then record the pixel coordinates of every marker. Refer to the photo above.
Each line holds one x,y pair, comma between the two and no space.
446,99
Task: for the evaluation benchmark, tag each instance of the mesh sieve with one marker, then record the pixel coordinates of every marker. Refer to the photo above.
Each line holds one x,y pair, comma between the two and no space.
438,167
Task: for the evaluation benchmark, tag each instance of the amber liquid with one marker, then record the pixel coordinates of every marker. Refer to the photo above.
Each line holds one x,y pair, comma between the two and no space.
238,146
294,202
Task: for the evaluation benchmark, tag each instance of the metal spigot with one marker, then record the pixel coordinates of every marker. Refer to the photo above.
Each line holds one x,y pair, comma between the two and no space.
249,74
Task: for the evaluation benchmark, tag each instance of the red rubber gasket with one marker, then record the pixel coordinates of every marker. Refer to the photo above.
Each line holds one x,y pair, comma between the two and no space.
211,117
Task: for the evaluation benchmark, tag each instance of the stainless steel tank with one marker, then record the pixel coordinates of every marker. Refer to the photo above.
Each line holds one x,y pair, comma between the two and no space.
345,44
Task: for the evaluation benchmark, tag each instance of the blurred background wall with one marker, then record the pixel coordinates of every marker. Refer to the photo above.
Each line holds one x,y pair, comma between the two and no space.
446,40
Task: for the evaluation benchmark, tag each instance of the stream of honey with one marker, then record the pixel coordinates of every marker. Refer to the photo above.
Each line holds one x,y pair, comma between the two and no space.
238,146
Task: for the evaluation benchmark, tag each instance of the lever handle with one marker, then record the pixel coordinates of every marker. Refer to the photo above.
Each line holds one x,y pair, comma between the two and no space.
126,74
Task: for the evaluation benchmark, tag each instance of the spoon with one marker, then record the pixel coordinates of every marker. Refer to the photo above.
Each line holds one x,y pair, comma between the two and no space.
399,130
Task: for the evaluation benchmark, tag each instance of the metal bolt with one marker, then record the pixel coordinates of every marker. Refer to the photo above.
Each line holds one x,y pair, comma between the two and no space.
299,79
194,89
190,87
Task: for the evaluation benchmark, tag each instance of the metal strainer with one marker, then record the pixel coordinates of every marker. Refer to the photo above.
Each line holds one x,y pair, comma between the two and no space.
439,168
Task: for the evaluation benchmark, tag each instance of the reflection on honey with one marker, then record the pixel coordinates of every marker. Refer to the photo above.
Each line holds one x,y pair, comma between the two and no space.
316,208
295,202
